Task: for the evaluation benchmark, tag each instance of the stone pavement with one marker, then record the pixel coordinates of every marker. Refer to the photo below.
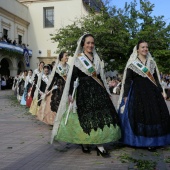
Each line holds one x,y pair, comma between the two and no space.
24,145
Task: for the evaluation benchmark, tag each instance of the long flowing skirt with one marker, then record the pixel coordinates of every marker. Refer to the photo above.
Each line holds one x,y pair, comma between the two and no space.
145,121
29,98
95,121
13,87
23,99
72,132
15,91
18,96
49,106
45,114
34,106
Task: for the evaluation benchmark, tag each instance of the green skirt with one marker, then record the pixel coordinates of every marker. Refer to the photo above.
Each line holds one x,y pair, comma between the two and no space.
73,132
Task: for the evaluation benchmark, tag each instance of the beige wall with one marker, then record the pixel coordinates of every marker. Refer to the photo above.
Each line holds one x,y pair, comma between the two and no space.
65,12
27,20
15,7
14,18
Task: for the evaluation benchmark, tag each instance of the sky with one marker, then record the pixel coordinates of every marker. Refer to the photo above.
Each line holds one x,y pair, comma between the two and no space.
162,7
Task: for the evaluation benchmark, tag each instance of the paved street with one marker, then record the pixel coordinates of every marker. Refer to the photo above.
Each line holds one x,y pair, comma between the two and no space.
24,145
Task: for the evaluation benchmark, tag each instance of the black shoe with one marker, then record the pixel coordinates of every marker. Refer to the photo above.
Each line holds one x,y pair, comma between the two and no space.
151,149
85,149
104,154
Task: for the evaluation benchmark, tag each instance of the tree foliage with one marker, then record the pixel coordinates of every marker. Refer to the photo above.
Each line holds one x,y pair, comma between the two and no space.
117,31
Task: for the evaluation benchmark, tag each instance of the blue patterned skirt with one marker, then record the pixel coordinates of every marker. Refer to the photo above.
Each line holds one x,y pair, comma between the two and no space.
139,134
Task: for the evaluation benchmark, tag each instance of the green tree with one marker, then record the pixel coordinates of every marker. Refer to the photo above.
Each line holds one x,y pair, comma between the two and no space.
110,37
142,25
157,33
116,32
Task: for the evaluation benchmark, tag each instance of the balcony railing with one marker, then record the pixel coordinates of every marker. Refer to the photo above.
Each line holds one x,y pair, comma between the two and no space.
15,48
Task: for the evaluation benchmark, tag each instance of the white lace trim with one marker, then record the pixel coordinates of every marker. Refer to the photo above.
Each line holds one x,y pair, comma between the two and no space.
150,65
64,70
80,66
132,67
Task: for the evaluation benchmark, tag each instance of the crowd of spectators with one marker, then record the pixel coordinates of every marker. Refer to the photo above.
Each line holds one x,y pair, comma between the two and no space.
6,82
165,82
114,84
13,42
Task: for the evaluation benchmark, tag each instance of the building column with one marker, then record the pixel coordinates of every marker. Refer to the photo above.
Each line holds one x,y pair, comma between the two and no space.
13,71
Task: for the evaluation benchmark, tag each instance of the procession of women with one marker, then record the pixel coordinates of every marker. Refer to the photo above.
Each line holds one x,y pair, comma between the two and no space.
76,101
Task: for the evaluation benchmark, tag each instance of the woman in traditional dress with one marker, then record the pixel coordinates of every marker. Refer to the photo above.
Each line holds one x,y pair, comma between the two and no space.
93,118
50,103
144,115
35,75
40,89
32,101
43,82
21,85
26,86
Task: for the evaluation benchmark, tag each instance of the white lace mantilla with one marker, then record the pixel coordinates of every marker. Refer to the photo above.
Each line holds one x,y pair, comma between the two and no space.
64,70
80,66
150,65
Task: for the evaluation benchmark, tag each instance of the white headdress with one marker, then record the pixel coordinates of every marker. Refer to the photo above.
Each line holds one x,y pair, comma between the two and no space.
63,103
133,57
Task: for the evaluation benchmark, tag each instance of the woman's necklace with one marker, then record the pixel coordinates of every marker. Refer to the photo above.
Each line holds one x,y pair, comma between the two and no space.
143,62
91,59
